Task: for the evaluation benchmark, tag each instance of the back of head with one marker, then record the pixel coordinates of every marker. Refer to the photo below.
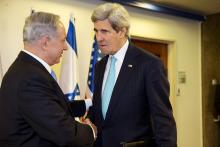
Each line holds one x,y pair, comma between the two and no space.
116,14
39,24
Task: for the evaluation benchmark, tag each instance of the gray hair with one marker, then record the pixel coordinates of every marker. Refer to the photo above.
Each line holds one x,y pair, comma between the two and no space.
39,24
116,14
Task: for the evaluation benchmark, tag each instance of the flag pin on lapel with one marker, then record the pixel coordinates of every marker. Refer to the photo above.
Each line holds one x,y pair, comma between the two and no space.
129,65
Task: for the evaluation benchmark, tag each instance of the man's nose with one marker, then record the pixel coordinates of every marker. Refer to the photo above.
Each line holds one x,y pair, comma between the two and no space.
98,37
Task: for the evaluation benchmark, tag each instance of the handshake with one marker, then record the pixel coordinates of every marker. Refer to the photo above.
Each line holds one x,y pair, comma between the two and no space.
87,121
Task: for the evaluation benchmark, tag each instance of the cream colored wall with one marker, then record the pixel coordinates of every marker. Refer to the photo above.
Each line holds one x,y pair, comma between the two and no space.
183,36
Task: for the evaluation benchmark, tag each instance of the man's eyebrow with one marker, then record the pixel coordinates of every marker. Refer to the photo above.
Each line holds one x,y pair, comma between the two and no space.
103,30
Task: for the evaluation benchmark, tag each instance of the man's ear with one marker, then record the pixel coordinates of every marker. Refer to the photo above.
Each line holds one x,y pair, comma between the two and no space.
122,32
44,42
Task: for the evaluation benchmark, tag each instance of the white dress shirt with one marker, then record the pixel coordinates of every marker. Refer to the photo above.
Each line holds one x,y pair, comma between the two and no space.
120,55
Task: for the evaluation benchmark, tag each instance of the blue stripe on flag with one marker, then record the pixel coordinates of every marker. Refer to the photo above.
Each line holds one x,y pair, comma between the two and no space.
71,96
71,36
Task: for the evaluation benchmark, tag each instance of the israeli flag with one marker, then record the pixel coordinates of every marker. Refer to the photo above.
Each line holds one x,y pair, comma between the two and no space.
69,77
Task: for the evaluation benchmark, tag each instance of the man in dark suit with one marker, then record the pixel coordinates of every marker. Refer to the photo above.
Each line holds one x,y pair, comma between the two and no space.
33,109
138,110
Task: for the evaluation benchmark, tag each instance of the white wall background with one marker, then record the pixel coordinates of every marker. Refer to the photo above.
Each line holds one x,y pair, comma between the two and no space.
1,71
184,50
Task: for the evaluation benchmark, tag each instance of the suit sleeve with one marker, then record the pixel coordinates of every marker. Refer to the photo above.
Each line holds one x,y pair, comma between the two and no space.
91,112
161,111
78,107
43,108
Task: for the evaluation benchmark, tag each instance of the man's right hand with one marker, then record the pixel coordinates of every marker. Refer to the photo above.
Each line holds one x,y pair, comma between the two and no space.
94,128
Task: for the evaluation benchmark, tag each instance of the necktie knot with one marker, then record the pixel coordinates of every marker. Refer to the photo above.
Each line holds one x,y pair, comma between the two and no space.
113,60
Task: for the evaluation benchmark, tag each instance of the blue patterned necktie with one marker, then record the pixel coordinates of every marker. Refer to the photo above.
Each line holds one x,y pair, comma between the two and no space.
109,85
53,75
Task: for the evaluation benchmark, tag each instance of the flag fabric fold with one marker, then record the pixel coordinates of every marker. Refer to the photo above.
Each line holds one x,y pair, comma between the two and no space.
96,56
69,76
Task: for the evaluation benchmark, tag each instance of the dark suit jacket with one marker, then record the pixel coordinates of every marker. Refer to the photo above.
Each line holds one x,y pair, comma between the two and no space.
34,111
139,108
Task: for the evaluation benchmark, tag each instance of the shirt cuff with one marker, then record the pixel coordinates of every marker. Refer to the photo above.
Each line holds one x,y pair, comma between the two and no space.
88,103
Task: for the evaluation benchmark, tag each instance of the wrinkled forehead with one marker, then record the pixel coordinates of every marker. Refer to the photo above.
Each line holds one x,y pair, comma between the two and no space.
102,24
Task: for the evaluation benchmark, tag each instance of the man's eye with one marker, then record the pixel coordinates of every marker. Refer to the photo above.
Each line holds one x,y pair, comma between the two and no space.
104,31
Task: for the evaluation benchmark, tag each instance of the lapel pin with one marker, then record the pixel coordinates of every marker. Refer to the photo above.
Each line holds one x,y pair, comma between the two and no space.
129,65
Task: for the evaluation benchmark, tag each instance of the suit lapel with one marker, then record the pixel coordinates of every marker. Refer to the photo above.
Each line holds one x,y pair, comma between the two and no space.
102,65
124,74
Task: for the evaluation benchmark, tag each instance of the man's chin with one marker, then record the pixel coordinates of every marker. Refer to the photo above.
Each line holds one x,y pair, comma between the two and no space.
104,51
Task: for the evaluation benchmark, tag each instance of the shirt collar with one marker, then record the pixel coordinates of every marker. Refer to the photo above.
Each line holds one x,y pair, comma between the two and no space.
121,52
39,59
